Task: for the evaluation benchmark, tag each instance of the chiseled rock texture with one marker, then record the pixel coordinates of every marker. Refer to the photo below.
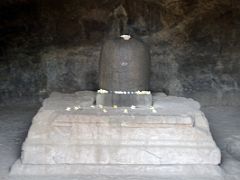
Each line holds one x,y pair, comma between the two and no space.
53,45
69,131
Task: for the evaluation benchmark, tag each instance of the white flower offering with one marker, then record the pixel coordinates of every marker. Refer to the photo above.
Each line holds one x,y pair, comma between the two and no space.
133,107
68,109
115,106
76,107
102,91
131,92
104,110
126,37
142,92
92,106
118,92
125,111
100,106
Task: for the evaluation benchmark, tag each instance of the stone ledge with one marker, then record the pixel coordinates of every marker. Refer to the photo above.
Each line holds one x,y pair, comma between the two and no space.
117,170
119,154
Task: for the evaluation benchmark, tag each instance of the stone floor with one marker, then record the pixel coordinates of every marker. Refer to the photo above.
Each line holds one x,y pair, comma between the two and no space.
15,120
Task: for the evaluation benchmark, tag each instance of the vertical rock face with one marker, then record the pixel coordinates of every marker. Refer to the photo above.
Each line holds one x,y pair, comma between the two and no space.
194,45
69,69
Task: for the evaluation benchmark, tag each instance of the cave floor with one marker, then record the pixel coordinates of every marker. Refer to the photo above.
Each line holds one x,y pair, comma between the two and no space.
15,120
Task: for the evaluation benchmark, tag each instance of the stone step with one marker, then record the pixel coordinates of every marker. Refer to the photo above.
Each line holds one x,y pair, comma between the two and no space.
119,154
123,172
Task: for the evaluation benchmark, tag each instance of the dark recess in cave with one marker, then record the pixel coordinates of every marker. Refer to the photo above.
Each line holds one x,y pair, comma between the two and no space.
54,45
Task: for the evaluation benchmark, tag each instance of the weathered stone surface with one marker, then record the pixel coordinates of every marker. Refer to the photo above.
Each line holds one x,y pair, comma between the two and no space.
163,171
127,100
57,101
71,69
176,135
173,102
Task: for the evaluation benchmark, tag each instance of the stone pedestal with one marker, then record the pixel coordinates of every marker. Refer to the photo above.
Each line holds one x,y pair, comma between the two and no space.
70,132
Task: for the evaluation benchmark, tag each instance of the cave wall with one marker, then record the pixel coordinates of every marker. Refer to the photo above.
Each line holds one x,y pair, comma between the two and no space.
54,45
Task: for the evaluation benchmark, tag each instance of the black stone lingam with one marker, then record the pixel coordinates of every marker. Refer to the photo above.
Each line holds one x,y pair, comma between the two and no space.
124,73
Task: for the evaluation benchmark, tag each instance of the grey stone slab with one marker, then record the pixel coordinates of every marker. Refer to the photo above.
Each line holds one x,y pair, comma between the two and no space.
59,101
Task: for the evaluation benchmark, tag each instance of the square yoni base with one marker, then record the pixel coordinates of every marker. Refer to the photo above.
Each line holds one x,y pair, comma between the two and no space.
70,131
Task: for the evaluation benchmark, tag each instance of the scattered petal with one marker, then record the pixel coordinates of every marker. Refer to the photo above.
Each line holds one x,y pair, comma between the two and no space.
76,107
133,107
125,37
102,91
68,109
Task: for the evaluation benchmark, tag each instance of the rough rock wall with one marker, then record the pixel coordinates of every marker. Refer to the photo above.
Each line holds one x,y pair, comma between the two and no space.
48,45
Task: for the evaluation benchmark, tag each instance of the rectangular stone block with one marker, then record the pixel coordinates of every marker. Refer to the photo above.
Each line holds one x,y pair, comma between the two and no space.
119,154
175,133
77,138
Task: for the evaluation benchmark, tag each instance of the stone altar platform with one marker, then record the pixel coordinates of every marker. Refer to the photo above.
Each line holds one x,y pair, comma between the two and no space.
70,135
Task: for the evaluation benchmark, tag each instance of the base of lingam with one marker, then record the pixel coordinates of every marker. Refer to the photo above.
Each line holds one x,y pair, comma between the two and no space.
124,98
70,135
